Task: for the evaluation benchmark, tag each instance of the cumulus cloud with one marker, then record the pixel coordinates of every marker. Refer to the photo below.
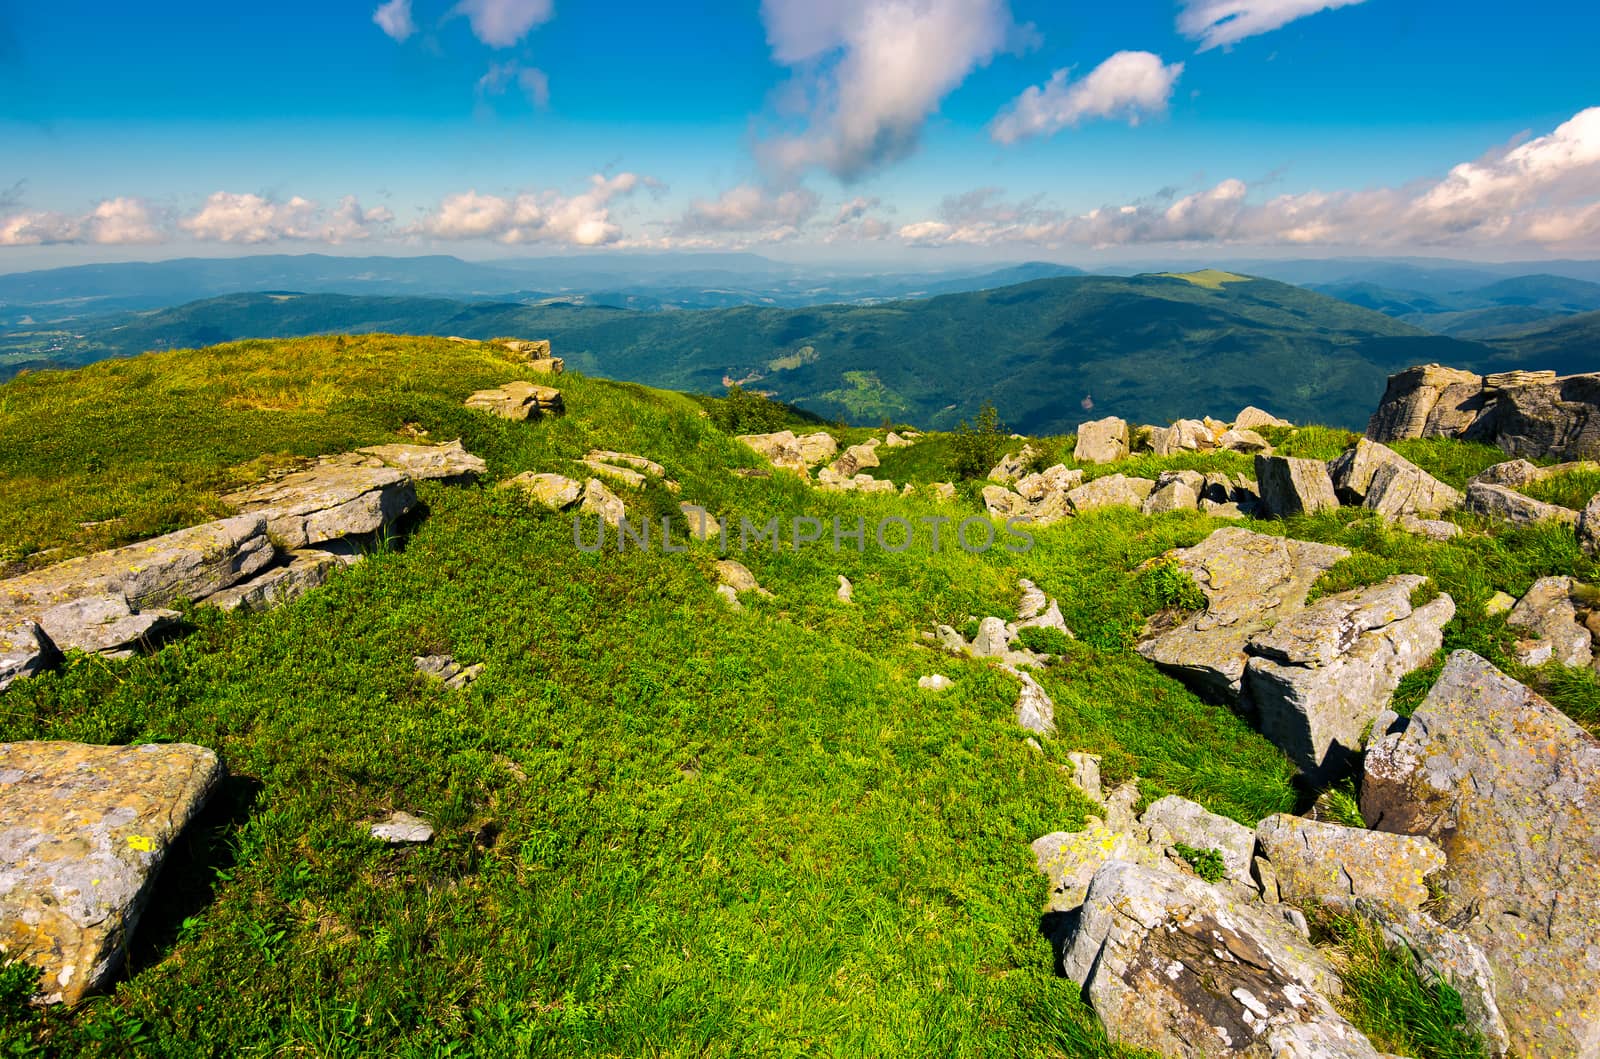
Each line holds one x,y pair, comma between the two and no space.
1130,85
772,215
875,70
228,217
1543,192
119,221
531,81
1219,23
394,18
502,23
534,217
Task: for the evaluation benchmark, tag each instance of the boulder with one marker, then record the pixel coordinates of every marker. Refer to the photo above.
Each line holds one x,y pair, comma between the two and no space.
1247,441
1547,612
1070,859
1186,435
1431,528
1441,954
1428,402
1292,486
1507,505
1506,785
518,401
1319,677
781,449
1396,491
327,502
105,625
1251,581
738,577
817,447
1171,965
1102,441
1054,481
446,670
944,492
1589,525
25,651
1174,496
855,458
553,491
993,639
448,463
602,502
1114,490
533,348
895,441
305,569
648,468
1513,474
1013,465
1337,866
547,365
1171,820
85,832
624,476
1035,710
703,526
1253,418
935,682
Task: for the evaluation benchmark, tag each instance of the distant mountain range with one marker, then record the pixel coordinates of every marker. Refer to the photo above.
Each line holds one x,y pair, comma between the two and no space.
1492,310
1049,353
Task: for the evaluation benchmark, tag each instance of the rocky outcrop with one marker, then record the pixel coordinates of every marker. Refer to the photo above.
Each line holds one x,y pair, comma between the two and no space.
83,833
1251,581
1013,465
1171,820
1530,414
1507,505
791,452
327,502
1318,862
1114,490
1171,965
299,572
1440,954
552,491
1041,497
1292,486
1382,480
1547,612
1102,441
105,625
518,401
1175,495
446,670
1505,784
1318,677
1252,418
440,463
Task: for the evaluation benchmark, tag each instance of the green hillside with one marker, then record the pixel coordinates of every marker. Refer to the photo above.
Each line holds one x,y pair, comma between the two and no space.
1568,346
1051,352
664,828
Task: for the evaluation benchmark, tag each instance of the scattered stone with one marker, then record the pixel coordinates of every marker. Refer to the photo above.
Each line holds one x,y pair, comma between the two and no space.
1513,474
1172,820
1499,502
327,502
1398,491
86,829
1352,470
1086,773
1250,580
1253,418
533,348
847,591
737,576
784,449
1548,613
895,441
1171,965
1038,487
1499,778
553,491
1174,496
1246,441
402,829
727,594
1186,435
1035,710
1216,510
518,401
598,500
1292,486
1320,676
993,639
445,668
702,525
1102,441
444,463
1499,603
547,365
944,492
1112,490
855,459
1012,466
935,682
626,476
649,468
1431,528
1316,861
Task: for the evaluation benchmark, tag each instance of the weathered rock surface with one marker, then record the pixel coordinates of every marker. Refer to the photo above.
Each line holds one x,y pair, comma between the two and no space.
1035,710
449,462
1070,859
1589,525
1013,465
703,526
1532,414
1431,528
25,651
447,670
553,491
1292,486
1102,441
1174,496
1547,611
518,401
1507,505
1316,861
532,348
400,828
1251,581
105,625
1507,785
1247,441
855,459
1171,820
305,569
738,577
328,501
1442,954
1252,418
83,833
1114,490
1170,965
600,501
1513,474
1319,677
1426,402
784,449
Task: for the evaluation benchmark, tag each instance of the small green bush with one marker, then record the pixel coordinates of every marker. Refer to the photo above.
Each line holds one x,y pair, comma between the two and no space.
1043,641
1207,863
1169,585
747,412
976,447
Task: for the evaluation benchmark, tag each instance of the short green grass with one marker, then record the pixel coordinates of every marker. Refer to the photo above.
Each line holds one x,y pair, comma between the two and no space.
1573,489
663,828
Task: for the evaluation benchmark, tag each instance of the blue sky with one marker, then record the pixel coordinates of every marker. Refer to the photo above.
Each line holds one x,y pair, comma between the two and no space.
802,128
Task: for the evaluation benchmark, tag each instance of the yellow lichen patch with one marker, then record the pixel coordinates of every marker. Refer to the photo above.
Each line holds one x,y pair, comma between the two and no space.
1209,278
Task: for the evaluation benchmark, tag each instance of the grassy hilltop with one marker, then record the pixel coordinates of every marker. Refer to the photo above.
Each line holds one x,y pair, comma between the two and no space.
664,828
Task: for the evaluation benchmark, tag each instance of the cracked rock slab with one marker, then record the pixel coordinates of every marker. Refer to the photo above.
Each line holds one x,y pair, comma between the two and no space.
327,502
83,833
1317,861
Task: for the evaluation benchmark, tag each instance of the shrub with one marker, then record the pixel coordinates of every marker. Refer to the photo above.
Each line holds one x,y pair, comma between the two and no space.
976,447
1043,641
1207,863
747,412
1171,586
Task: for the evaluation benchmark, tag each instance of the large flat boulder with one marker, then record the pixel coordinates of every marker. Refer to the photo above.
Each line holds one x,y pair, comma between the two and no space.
518,401
331,500
1507,505
105,625
83,833
1291,486
1171,965
1319,677
1336,866
1251,581
304,570
449,462
1507,785
1114,490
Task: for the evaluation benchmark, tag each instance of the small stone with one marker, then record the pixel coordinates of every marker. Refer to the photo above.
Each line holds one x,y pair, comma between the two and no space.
553,491
1499,603
935,682
846,591
402,829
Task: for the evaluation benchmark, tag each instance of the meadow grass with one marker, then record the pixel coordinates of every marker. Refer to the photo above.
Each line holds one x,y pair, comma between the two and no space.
664,828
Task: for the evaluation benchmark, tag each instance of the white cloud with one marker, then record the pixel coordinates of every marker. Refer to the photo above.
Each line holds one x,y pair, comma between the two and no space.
1543,193
1129,85
534,217
227,217
394,18
749,208
875,71
1218,23
119,221
502,23
535,84
531,81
